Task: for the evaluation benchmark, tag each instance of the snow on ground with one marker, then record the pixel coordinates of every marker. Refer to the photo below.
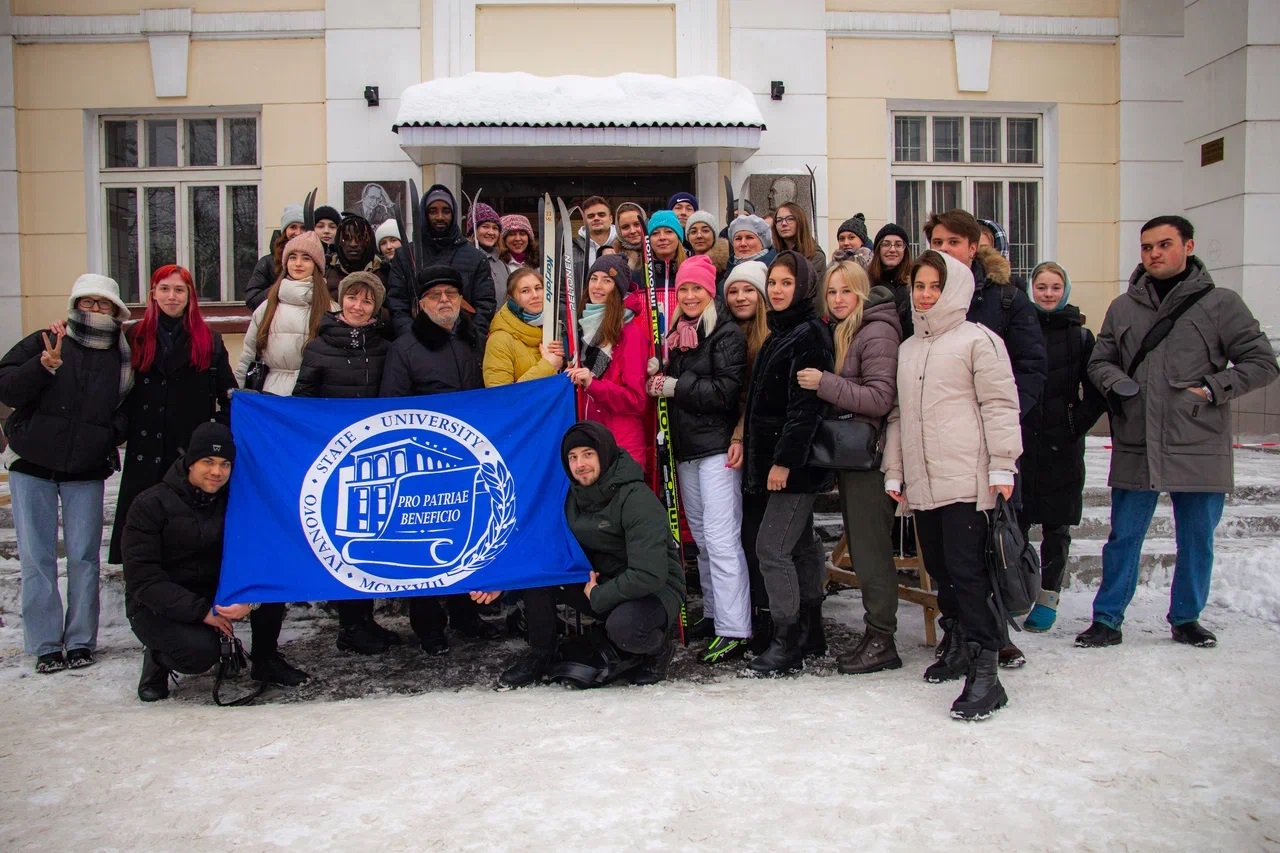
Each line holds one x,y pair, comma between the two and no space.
1146,746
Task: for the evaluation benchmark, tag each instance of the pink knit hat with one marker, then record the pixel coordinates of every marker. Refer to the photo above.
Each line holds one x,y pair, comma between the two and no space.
699,270
308,243
516,222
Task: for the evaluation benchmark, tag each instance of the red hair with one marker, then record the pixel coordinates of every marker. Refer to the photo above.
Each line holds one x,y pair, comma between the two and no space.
142,337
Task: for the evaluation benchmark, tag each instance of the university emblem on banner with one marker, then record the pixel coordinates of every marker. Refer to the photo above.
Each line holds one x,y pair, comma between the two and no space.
405,500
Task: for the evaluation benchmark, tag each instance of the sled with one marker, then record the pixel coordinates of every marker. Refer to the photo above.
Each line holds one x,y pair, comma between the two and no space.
840,570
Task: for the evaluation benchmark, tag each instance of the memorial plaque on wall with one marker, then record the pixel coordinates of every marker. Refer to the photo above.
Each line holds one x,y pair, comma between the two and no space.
373,199
768,191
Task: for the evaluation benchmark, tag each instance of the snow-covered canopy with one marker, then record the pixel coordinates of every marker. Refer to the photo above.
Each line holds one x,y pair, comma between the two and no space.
486,99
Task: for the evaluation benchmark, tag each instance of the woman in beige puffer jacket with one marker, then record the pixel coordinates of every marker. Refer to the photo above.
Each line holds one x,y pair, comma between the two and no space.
953,442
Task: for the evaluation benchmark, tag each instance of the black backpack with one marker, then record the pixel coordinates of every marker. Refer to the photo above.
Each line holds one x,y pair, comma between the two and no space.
1013,564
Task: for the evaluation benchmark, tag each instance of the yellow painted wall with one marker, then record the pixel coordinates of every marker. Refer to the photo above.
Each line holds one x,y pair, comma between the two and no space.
593,40
1082,79
131,7
58,87
1075,8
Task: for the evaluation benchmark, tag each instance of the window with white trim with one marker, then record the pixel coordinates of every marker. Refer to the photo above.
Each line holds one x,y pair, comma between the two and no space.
991,165
180,189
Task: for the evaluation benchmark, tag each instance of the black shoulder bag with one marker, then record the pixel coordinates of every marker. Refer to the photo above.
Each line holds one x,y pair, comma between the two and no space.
1158,332
845,444
232,662
1013,566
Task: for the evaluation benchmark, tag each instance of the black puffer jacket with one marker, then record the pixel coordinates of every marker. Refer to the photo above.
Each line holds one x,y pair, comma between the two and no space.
1007,310
342,361
166,405
173,548
264,275
449,249
431,360
1052,463
782,418
65,426
709,380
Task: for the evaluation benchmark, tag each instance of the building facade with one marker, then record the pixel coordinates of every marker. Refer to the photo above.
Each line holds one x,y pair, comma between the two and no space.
132,136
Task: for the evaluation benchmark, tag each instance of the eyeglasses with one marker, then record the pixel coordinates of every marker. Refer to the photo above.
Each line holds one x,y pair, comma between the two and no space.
88,304
784,220
893,244
443,296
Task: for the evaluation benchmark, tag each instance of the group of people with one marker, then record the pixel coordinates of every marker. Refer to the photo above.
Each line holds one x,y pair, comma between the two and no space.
983,386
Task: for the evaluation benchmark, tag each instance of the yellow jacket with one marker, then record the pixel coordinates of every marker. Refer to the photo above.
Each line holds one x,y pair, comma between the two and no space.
511,354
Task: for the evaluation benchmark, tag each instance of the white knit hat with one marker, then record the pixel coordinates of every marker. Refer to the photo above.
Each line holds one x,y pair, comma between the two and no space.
388,228
99,287
700,216
754,273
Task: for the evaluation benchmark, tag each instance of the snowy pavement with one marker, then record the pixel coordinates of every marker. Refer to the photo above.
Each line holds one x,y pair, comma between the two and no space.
1146,746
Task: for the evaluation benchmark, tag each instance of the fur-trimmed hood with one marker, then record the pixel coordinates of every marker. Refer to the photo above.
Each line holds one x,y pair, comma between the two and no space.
995,265
719,255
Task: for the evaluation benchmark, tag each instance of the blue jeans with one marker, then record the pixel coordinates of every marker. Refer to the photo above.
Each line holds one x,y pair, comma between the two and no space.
1195,516
35,517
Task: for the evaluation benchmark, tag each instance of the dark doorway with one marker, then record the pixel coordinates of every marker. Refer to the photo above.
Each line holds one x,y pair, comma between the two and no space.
509,191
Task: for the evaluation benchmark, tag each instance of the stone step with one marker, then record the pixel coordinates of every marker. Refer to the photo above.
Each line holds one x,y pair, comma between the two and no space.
1242,520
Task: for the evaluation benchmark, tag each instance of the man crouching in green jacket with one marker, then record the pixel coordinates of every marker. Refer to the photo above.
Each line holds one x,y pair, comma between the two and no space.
636,585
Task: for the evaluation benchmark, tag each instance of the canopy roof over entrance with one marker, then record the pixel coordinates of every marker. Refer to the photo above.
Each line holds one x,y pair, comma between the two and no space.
477,119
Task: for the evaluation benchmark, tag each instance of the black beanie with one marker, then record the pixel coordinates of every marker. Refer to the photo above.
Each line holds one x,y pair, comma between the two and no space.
894,229
856,224
324,211
615,266
593,435
210,439
437,274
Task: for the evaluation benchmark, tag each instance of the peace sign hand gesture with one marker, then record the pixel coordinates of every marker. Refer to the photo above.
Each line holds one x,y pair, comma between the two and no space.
51,358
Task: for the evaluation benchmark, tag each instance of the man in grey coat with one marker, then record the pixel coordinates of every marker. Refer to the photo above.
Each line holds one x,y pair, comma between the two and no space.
1171,421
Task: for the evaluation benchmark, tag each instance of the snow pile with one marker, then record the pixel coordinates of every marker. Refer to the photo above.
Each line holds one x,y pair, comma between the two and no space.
487,98
1249,583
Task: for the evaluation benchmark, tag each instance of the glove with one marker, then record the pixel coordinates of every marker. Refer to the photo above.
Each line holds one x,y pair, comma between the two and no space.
653,367
661,386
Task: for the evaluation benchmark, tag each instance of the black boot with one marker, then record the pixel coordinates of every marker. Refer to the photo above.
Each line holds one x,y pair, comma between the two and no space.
1098,635
654,667
761,631
392,638
983,693
951,663
154,683
530,668
876,652
948,625
813,634
1194,634
274,669
362,638
783,655
469,624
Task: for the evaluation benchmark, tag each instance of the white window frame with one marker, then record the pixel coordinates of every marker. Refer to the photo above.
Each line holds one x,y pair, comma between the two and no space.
100,179
1044,173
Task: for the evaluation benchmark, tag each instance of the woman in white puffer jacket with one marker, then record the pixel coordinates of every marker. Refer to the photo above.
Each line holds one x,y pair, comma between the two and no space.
953,443
288,319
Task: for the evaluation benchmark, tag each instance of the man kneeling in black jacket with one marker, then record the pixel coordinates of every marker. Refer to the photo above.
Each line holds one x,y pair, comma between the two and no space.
637,583
172,559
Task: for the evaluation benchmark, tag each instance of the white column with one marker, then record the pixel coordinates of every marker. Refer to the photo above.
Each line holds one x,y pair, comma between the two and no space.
1151,119
368,44
10,269
792,47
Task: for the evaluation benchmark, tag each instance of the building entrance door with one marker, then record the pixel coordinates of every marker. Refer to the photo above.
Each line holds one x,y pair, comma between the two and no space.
513,191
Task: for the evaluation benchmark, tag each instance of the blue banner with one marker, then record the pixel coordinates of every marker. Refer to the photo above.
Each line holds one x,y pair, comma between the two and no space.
348,499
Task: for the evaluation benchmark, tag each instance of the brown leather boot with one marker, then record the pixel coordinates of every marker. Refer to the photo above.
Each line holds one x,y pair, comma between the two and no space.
874,653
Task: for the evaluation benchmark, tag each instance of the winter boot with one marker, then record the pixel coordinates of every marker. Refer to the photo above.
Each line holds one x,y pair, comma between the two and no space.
948,625
362,638
761,631
154,683
874,653
952,663
469,624
653,669
1194,634
783,655
531,667
813,634
1043,615
1098,635
722,649
274,669
1011,657
392,638
983,693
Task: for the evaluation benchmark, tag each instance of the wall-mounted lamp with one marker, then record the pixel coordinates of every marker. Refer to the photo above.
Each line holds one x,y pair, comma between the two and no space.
371,95
776,90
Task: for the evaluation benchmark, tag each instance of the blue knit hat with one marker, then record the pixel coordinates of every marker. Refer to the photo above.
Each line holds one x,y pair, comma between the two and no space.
679,197
667,219
1066,287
